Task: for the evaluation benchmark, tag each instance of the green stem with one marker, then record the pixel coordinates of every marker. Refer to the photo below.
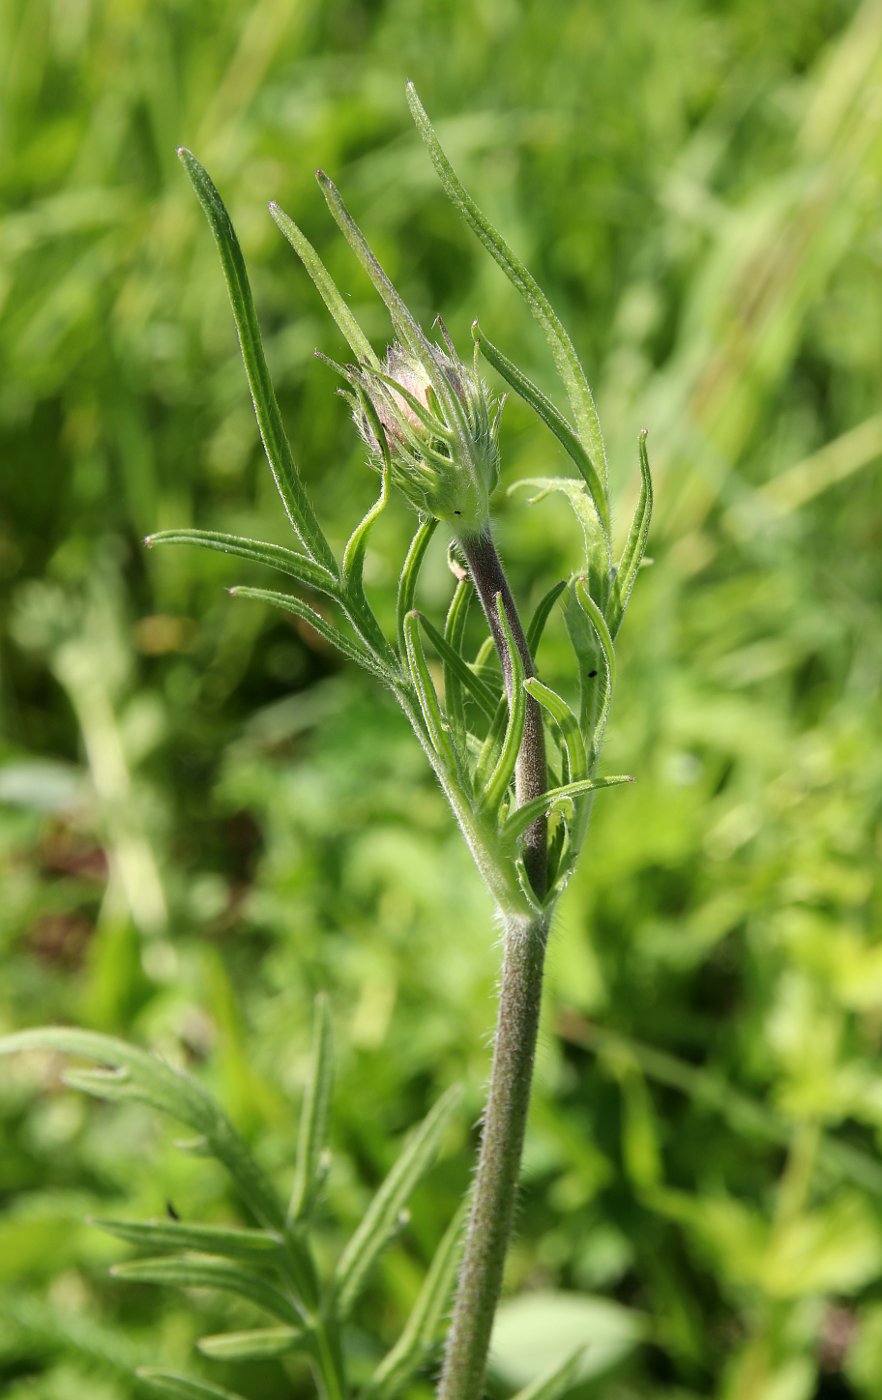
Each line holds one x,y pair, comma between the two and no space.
502,1139
505,1118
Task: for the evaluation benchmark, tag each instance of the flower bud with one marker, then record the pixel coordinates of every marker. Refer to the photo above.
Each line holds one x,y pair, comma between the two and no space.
433,420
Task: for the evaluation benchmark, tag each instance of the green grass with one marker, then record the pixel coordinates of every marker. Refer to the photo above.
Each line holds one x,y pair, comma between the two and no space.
205,818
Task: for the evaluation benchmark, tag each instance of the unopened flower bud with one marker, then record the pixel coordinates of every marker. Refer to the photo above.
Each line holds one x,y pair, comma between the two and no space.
439,433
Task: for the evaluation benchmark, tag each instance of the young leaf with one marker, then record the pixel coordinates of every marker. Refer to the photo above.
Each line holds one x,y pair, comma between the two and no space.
353,650
266,407
565,358
554,1383
541,616
607,659
326,288
210,1273
454,637
286,561
257,1344
411,571
458,669
596,540
546,411
436,725
314,1116
357,606
522,818
380,1223
498,781
260,1247
635,546
420,1334
146,1079
182,1387
557,707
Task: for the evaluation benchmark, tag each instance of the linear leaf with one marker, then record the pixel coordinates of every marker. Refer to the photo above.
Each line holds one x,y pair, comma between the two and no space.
456,666
595,538
554,1383
314,1116
565,358
151,1081
607,659
358,608
173,1272
503,772
571,734
545,410
257,1246
326,287
410,573
541,615
380,1222
182,1387
523,817
353,650
420,1334
258,1343
436,725
454,637
266,407
635,545
287,561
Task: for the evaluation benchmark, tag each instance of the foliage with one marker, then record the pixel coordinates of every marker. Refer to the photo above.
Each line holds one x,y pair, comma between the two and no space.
204,824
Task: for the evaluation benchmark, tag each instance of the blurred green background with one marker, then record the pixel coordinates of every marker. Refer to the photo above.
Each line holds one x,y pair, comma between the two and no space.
205,817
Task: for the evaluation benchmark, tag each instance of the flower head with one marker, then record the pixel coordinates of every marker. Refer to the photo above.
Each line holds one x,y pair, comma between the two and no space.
432,420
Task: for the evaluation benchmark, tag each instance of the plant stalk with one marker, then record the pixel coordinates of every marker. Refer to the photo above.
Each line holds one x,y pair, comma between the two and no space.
531,779
502,1139
505,1118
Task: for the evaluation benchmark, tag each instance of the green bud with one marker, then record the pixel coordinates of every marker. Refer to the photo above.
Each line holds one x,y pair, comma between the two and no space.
433,420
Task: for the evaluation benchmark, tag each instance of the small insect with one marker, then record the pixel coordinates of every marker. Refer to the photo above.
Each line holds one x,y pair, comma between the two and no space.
171,1212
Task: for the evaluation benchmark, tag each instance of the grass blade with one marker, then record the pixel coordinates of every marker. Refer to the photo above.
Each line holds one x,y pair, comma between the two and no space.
182,1387
257,1344
266,407
380,1223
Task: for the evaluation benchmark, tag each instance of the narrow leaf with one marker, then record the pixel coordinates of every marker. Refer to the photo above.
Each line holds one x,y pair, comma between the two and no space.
358,609
635,545
523,817
287,561
169,1090
411,571
257,1246
554,1383
436,725
266,407
571,735
182,1387
499,779
454,637
545,410
458,668
608,661
565,358
536,628
595,538
172,1272
420,1334
326,287
314,1116
258,1343
380,1222
353,650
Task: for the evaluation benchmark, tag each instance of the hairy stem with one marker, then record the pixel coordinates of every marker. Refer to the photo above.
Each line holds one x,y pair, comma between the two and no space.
489,579
505,1117
502,1140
